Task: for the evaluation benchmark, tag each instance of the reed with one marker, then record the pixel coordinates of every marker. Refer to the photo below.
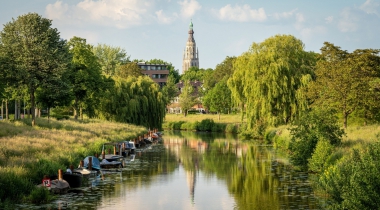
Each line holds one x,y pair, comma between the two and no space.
28,153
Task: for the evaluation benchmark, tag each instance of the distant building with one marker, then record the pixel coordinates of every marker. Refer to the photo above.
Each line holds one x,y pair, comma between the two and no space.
190,54
158,72
175,106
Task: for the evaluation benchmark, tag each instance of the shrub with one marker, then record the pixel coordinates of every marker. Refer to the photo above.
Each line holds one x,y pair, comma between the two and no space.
39,195
321,157
218,127
206,125
354,182
312,126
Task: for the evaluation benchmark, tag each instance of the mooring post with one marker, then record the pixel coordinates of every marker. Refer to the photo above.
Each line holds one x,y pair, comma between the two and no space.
90,163
114,149
81,163
60,174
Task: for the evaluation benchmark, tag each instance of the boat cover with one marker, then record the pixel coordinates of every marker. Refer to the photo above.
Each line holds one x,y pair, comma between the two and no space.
95,162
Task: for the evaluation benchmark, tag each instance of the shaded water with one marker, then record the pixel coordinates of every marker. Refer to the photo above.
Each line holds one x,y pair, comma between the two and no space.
189,170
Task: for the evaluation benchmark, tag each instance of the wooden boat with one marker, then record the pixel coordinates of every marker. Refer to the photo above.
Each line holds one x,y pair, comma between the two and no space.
84,171
74,179
112,158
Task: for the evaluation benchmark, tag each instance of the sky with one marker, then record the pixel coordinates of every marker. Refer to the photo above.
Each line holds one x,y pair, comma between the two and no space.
158,29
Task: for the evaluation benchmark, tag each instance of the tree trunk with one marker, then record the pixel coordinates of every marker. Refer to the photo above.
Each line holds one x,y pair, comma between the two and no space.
33,107
6,110
81,113
345,116
2,109
76,109
15,117
48,112
219,116
19,109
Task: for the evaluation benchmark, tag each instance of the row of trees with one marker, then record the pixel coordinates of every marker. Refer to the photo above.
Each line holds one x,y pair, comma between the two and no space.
37,64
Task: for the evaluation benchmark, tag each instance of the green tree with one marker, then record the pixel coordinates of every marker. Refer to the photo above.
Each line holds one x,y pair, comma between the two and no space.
84,75
311,127
195,73
222,70
345,81
170,90
136,100
129,70
33,51
218,99
273,73
110,58
187,98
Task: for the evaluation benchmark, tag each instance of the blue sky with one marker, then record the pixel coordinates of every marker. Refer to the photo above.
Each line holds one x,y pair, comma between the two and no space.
149,29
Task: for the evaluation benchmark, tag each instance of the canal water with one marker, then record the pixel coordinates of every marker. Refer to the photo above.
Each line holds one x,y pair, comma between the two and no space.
190,170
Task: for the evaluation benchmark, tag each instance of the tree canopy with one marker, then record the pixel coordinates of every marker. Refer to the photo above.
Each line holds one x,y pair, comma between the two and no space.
269,76
32,52
346,81
110,58
130,69
218,99
187,98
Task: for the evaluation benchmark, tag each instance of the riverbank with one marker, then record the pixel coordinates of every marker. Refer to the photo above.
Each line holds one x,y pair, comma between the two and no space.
28,153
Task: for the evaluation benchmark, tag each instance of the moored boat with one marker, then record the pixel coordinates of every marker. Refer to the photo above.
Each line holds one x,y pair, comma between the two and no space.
74,179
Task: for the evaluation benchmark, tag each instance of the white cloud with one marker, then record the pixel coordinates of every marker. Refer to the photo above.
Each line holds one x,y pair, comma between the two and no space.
348,22
284,15
370,7
189,7
329,19
116,13
164,19
57,10
241,13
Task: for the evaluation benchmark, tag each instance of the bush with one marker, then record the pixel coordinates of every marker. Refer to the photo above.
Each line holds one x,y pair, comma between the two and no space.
12,186
206,125
40,195
321,157
218,127
354,182
312,126
189,126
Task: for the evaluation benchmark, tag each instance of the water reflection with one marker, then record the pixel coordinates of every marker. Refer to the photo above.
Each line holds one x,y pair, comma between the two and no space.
191,170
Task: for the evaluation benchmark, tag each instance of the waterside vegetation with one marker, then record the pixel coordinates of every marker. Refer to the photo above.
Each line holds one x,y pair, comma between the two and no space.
28,153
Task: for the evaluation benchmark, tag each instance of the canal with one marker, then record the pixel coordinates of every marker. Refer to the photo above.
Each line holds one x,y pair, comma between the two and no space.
190,170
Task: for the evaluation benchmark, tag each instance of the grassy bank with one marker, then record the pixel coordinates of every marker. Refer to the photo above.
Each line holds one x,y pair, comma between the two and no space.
28,153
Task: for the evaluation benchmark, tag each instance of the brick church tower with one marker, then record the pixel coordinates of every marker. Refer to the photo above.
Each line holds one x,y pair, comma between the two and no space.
190,54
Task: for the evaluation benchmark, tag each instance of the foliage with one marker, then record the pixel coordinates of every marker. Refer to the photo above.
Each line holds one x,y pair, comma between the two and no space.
85,75
271,74
231,128
321,158
110,58
346,81
170,90
218,99
40,195
206,125
354,182
187,98
32,52
129,70
222,71
312,127
195,74
133,100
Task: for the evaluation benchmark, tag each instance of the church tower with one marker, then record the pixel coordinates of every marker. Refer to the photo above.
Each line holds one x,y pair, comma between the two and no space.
190,54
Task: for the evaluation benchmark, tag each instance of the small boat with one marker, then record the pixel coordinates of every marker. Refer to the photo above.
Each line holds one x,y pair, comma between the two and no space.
95,163
130,147
84,171
59,186
74,179
112,158
105,164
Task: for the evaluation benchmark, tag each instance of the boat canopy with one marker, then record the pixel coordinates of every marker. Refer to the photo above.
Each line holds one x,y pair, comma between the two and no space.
95,162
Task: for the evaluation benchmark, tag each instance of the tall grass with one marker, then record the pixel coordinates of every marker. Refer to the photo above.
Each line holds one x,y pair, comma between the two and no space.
28,153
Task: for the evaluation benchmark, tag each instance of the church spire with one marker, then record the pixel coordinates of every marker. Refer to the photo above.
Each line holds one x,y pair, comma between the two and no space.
190,56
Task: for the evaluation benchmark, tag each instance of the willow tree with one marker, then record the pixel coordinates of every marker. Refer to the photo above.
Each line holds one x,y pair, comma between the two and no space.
268,78
33,51
135,100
